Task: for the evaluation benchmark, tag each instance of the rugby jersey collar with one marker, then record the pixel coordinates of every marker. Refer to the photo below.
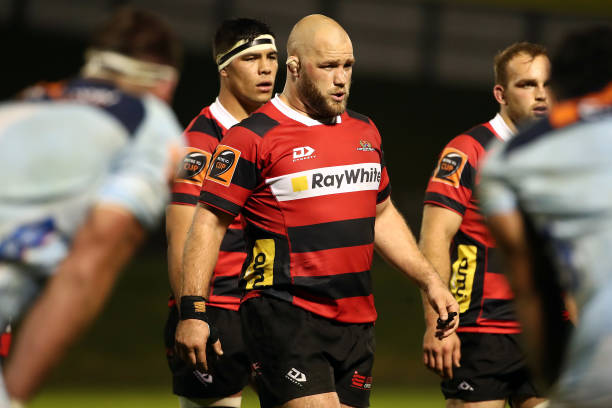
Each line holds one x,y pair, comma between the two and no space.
297,116
222,115
501,128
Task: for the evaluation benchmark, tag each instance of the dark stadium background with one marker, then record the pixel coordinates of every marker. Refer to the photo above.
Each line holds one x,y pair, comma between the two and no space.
422,81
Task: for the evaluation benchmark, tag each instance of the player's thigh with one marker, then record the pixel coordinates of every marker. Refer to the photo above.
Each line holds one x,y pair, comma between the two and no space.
456,403
286,352
492,368
531,402
352,349
326,400
232,401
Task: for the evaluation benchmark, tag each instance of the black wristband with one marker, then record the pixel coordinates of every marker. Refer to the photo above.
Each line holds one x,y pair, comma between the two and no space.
193,307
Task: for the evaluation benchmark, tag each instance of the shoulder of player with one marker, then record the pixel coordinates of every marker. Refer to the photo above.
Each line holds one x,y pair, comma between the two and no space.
530,134
204,124
259,123
480,135
473,142
358,117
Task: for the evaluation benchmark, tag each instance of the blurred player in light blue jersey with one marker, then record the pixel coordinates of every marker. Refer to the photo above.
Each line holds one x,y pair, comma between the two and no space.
85,167
548,195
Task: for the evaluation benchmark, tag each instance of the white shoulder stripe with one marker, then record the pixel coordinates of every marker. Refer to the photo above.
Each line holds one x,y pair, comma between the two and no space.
326,181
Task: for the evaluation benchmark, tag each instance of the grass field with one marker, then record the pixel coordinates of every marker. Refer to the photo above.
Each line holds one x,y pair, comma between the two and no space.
156,398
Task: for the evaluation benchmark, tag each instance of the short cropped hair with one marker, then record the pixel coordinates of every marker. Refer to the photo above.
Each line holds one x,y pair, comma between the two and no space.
232,31
583,62
139,34
501,60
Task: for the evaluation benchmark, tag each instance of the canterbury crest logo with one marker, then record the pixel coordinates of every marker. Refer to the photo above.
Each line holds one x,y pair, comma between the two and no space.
365,146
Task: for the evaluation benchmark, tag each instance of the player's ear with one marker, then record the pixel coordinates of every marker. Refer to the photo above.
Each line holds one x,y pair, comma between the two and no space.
223,73
500,94
293,64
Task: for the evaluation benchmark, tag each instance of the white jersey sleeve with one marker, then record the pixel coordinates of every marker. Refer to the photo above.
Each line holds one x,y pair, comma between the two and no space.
139,176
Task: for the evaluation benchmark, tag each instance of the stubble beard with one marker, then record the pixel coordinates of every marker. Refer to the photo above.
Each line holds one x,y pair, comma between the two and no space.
321,107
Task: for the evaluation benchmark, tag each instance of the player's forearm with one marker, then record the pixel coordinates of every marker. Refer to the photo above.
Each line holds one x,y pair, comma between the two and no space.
175,262
437,253
69,303
438,228
201,251
394,242
63,312
178,221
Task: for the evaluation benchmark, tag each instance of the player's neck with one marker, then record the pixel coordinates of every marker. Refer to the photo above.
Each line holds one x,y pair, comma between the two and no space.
291,99
509,122
233,105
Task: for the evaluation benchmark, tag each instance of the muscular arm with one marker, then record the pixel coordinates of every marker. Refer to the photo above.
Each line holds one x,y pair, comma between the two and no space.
438,228
178,221
537,294
395,243
510,235
72,298
199,258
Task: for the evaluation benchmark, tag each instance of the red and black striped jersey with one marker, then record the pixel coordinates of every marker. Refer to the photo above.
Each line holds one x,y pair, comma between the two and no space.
203,135
477,281
308,193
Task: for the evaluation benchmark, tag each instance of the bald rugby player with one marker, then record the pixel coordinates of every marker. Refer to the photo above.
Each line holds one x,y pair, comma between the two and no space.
308,175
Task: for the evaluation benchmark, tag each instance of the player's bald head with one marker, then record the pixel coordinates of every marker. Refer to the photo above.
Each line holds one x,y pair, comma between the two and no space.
316,32
319,67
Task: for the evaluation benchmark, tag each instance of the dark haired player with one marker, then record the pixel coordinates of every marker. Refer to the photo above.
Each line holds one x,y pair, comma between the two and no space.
246,57
481,365
85,165
309,177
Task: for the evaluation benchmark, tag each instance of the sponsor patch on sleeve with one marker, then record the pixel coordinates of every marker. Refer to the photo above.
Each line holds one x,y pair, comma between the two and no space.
223,166
450,167
192,168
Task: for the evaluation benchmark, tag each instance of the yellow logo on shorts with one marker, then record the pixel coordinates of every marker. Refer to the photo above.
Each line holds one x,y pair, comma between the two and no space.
261,270
462,275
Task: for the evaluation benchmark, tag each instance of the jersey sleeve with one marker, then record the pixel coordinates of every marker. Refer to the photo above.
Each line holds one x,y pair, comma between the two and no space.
454,178
384,188
195,160
234,172
138,176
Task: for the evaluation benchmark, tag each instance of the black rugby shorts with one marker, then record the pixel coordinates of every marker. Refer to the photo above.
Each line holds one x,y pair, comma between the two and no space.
492,368
296,353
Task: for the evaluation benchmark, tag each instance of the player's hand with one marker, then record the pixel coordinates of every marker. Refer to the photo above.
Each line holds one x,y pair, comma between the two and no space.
441,355
190,341
443,303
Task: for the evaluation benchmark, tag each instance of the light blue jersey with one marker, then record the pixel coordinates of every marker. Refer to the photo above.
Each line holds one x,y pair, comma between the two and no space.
560,175
91,144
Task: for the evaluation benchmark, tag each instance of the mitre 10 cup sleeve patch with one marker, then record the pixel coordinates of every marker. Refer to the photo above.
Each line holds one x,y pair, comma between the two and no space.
193,166
450,167
223,165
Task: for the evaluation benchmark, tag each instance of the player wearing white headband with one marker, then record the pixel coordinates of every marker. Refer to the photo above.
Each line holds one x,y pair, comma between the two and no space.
245,53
